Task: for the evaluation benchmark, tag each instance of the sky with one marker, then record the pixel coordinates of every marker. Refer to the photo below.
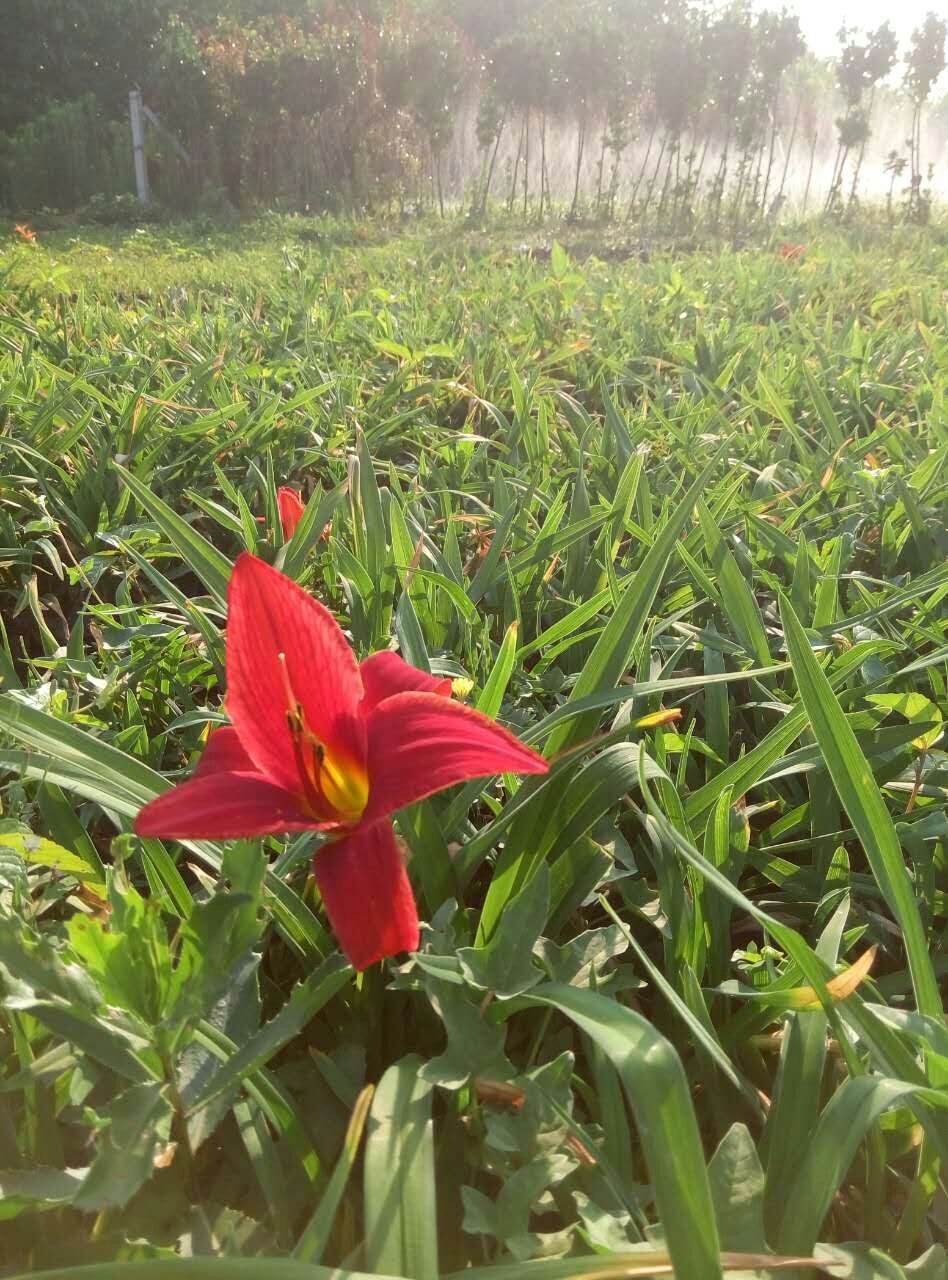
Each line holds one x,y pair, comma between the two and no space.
821,19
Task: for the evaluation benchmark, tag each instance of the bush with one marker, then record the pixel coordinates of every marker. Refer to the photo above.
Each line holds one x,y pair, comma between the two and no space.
123,210
64,157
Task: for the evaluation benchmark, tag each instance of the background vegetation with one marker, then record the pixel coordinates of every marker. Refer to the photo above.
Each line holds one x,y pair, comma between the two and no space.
618,109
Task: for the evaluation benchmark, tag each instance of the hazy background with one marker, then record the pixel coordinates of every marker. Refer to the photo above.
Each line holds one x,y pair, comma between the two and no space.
349,104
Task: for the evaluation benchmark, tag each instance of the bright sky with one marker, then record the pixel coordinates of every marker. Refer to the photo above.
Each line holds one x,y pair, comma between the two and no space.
821,19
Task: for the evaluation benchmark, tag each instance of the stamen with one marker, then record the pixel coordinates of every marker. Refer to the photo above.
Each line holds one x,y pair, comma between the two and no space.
294,712
329,791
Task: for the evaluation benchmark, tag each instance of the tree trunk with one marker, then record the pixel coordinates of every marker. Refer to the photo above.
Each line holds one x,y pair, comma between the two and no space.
493,161
516,173
544,177
786,159
720,180
837,174
809,173
437,167
915,189
651,185
668,172
758,175
613,185
770,155
700,169
599,176
580,147
743,169
642,171
862,149
479,185
526,166
692,153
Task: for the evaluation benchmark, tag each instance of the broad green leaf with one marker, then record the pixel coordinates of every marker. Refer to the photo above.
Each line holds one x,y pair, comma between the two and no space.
308,997
658,1093
137,1126
610,658
312,1241
504,965
46,853
865,805
400,1201
201,556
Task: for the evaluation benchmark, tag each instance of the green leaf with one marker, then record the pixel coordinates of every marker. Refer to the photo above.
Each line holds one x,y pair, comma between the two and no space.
201,556
610,658
30,1190
916,708
135,1129
308,997
863,801
658,1092
740,607
400,1204
491,697
505,964
203,1269
319,511
737,1191
313,1239
46,853
475,1046
849,1114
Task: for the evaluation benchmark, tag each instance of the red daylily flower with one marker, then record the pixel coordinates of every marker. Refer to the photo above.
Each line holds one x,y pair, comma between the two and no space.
791,252
291,510
25,232
291,507
319,741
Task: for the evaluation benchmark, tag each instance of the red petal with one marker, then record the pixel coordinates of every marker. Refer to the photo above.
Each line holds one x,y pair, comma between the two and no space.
222,806
420,743
269,615
367,895
291,507
385,673
224,754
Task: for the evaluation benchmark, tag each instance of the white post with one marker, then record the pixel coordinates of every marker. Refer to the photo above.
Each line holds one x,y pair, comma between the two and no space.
138,143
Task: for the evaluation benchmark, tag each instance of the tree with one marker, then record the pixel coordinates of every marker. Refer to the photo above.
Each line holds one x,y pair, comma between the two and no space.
924,64
590,45
421,67
779,43
731,52
863,62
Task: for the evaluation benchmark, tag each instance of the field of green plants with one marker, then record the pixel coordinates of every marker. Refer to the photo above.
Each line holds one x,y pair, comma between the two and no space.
676,522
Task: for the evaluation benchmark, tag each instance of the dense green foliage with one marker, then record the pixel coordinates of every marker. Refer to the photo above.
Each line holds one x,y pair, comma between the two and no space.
713,486
615,107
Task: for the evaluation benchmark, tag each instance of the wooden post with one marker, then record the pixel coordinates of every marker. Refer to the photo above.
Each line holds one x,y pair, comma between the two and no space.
138,144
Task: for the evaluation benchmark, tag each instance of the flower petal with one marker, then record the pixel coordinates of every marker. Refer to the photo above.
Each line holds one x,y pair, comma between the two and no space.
223,753
385,673
420,743
223,806
269,615
367,895
291,508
